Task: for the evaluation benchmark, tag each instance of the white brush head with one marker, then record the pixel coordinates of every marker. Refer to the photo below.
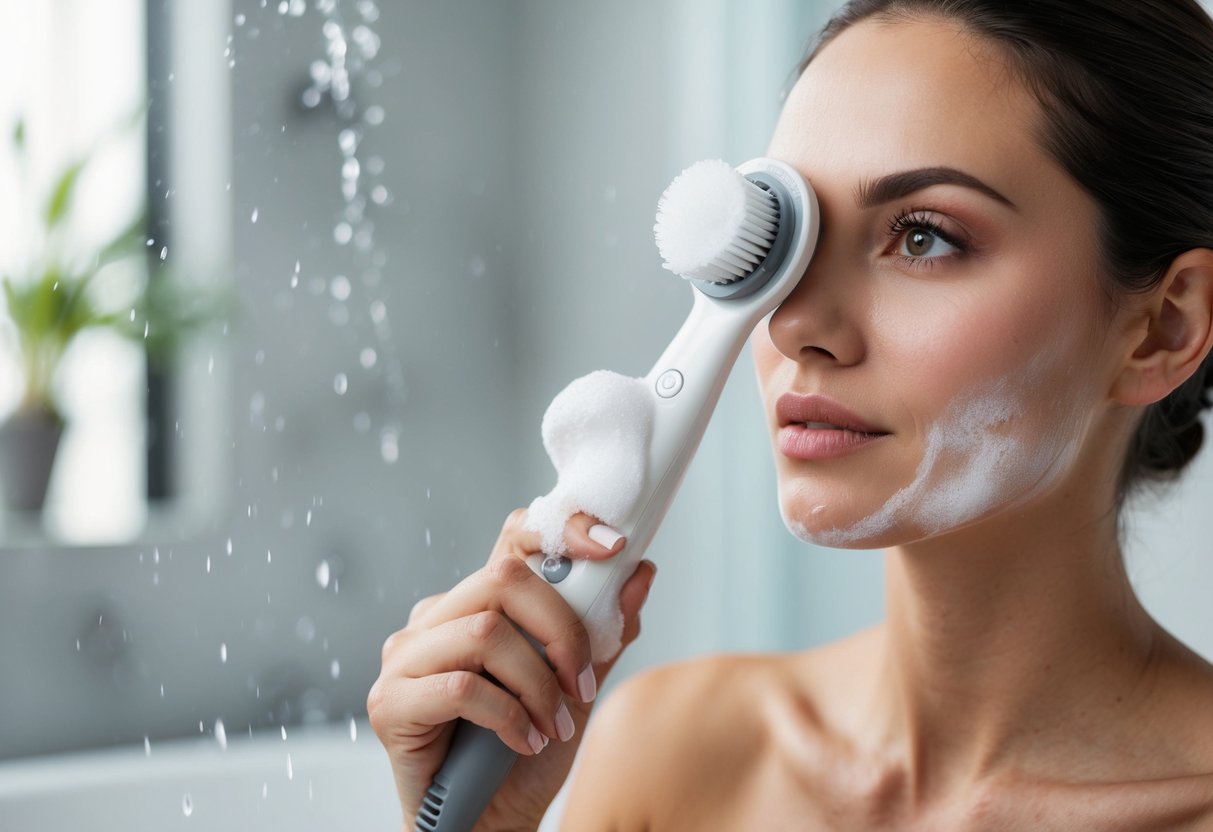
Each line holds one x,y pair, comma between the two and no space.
715,225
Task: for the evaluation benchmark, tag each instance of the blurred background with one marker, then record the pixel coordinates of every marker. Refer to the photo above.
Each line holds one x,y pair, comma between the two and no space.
336,257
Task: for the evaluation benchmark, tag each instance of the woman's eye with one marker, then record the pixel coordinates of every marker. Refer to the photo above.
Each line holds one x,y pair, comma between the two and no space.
923,242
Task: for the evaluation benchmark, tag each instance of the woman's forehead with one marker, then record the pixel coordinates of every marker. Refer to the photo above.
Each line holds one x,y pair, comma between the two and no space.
907,94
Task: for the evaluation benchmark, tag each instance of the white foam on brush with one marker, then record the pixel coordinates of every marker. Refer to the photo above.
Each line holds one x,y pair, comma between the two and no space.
713,224
596,432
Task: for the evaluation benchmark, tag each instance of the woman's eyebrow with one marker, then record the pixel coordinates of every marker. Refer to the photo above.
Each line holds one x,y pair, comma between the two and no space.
897,185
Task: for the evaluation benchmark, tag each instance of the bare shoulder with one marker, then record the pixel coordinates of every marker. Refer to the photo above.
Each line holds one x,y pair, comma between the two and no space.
673,739
699,744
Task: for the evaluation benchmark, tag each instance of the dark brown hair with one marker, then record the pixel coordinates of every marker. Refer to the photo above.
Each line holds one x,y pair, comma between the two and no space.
1126,90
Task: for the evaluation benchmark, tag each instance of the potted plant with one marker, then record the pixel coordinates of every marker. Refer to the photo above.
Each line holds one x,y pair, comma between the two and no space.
57,294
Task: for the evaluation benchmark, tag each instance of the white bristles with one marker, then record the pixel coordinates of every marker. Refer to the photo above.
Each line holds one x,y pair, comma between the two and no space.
713,224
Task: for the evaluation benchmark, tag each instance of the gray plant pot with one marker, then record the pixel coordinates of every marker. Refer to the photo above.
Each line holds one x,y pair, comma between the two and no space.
29,440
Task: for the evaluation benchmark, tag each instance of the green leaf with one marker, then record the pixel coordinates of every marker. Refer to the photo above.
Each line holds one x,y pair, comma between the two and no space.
61,196
125,244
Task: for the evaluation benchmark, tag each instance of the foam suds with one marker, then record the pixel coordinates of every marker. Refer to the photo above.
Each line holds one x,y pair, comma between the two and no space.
974,460
596,432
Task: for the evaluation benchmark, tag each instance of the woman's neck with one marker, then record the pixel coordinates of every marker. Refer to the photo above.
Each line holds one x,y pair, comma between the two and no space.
1003,637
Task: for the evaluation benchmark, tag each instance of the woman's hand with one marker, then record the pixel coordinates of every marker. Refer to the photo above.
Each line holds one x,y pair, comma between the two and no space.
433,673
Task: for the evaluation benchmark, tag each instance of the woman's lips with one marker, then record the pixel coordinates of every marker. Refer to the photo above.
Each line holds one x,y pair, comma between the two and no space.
815,427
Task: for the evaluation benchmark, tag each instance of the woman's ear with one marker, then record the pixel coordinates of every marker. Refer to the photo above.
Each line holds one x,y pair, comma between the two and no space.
1174,334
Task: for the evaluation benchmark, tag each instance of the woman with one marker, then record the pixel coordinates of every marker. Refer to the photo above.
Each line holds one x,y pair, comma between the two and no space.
1005,328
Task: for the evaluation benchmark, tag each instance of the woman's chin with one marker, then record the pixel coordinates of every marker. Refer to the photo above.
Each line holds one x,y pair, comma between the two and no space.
835,527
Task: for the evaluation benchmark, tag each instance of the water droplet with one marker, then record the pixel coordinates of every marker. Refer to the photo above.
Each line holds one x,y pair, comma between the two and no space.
374,115
147,746
368,10
341,384
254,217
339,288
378,311
368,357
307,521
208,564
379,195
229,547
265,790
164,254
323,574
388,446
305,629
298,7
335,669
269,556
240,20
290,768
283,727
348,141
156,555
353,730
187,805
223,653
343,232
220,734
428,540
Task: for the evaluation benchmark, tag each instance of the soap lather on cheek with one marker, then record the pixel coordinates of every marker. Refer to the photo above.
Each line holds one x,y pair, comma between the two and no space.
596,432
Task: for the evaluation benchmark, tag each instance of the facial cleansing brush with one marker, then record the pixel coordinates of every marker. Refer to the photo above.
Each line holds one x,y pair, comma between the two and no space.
742,238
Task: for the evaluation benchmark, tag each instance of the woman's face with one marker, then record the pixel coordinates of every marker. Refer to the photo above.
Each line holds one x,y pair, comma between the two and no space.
953,307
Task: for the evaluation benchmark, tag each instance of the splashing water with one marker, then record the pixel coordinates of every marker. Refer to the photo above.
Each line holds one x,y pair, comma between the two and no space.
344,74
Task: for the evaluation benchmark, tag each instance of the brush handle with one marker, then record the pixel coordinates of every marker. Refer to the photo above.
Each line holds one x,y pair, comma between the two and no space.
685,383
475,767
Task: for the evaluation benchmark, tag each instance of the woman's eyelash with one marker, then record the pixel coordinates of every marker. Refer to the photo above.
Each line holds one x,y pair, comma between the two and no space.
906,221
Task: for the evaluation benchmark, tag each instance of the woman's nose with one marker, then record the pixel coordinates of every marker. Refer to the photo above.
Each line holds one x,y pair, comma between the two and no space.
820,319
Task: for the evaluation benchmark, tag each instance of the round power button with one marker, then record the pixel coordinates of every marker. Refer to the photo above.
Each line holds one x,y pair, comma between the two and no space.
555,568
669,384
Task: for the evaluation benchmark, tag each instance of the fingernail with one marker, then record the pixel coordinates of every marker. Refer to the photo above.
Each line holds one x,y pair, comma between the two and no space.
587,685
604,536
537,740
564,723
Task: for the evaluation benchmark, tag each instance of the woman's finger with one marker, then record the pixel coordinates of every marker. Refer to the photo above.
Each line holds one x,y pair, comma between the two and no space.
413,708
508,586
584,537
489,642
